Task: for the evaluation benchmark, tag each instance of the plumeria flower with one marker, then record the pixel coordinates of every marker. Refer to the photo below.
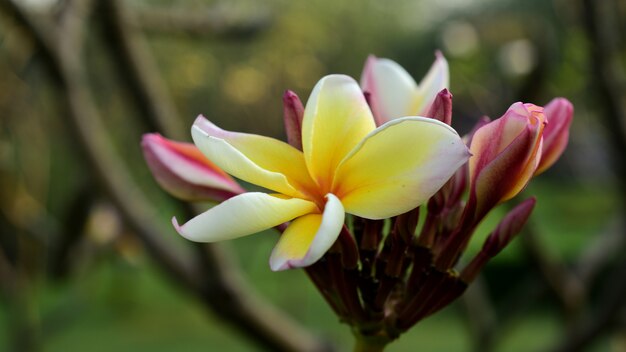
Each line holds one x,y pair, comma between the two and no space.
394,93
347,165
183,171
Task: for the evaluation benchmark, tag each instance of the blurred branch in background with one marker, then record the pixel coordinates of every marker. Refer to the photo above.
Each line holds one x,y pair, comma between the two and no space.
139,70
571,285
216,22
601,18
74,223
598,256
563,282
481,316
206,275
16,291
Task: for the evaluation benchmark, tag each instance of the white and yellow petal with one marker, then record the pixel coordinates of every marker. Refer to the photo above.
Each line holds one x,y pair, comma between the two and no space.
243,215
392,89
436,79
398,167
260,160
336,119
308,237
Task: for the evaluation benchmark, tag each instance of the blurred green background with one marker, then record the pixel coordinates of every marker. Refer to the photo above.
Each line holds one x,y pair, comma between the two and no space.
232,61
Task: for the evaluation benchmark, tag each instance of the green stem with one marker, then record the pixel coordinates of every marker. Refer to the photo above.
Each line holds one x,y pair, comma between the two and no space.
370,343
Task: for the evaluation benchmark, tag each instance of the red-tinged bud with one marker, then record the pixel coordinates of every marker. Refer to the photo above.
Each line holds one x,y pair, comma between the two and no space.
406,224
509,227
293,112
441,108
183,171
559,113
505,155
452,217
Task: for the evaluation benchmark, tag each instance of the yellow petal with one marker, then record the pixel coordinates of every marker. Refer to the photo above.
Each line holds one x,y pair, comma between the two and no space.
336,119
260,160
308,237
398,167
243,215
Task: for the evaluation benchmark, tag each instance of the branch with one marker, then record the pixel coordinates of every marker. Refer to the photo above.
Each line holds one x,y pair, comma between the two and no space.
592,326
22,326
481,315
609,75
75,218
224,288
202,22
140,71
599,254
565,284
7,273
610,80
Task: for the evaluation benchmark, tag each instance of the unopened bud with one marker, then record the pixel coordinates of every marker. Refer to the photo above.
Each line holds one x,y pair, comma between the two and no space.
505,155
293,112
183,171
441,108
509,227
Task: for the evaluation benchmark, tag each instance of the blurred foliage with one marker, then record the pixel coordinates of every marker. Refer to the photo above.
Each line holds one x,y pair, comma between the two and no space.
499,52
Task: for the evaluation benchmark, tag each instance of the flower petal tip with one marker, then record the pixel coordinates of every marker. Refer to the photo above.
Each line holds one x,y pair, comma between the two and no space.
199,119
280,264
146,138
178,228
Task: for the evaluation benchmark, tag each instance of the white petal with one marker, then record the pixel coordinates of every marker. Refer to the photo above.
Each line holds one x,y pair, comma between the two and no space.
243,215
392,89
437,78
260,160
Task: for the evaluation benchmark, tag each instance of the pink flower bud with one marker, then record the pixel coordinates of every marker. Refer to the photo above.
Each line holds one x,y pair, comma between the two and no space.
441,108
293,112
506,153
183,171
509,227
559,113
